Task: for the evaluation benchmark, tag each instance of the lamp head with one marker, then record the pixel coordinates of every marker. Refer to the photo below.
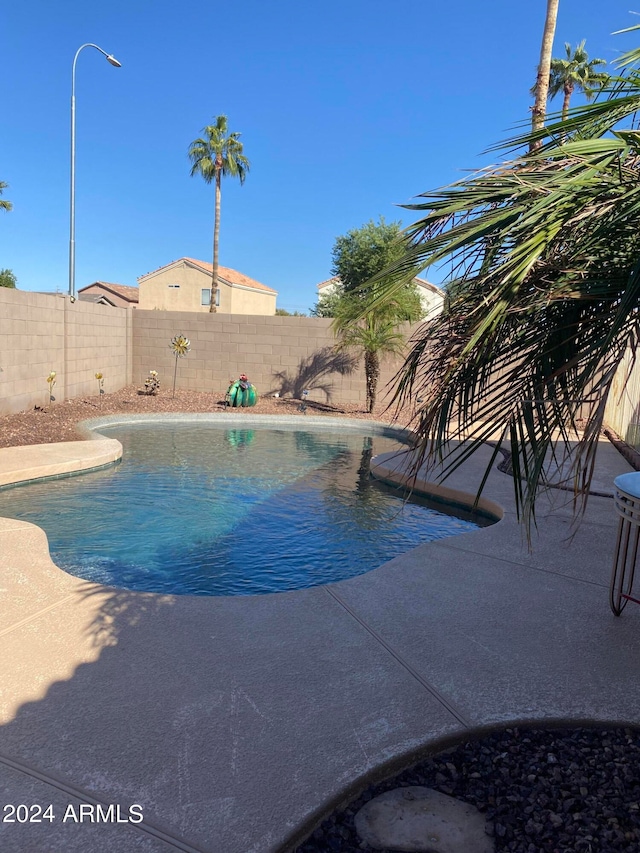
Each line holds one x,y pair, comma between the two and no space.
111,58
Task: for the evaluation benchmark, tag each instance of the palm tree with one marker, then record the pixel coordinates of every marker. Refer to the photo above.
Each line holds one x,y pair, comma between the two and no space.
575,72
373,331
215,156
4,205
544,295
541,88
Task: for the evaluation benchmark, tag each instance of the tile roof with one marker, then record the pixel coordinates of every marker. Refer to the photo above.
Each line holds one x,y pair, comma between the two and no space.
232,276
131,294
229,275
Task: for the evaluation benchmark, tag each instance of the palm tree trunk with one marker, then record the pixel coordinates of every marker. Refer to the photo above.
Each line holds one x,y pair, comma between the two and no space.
372,374
216,240
539,109
568,91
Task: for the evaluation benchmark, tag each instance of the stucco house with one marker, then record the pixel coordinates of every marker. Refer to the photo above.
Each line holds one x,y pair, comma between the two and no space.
431,297
105,293
185,285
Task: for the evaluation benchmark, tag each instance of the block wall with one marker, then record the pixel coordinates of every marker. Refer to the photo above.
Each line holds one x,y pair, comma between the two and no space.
41,333
283,354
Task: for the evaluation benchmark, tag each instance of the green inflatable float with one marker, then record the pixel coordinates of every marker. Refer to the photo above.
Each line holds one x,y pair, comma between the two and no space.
241,393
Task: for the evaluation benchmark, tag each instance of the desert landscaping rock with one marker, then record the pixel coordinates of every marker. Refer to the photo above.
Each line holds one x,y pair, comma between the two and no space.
421,820
540,791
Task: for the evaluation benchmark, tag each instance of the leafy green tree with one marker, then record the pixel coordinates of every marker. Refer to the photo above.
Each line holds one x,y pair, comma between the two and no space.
4,205
327,304
359,322
361,253
7,278
544,299
217,154
576,71
282,312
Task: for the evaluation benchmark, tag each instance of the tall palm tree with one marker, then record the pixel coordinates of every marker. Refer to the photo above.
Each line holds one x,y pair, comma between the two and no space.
544,294
4,205
541,88
213,157
576,71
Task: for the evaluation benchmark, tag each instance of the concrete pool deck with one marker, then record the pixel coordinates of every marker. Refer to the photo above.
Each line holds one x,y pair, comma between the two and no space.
235,723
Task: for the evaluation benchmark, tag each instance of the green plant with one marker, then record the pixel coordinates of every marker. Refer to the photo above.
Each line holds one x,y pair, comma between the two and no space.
8,279
180,347
544,298
360,322
575,72
215,156
4,205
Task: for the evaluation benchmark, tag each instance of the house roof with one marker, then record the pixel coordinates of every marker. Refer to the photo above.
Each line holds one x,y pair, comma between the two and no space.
97,298
131,294
421,282
230,276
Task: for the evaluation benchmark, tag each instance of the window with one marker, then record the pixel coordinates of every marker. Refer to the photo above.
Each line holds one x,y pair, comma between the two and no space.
205,298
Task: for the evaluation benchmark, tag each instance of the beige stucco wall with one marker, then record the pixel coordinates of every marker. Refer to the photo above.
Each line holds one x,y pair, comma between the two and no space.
41,333
284,354
156,293
246,301
432,303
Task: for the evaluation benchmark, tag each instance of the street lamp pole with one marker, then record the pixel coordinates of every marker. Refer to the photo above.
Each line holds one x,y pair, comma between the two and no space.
72,227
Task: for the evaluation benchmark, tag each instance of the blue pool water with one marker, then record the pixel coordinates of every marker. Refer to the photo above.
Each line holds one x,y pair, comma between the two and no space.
206,510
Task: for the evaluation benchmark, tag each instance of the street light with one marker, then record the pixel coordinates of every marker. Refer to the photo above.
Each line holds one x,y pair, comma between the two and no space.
72,227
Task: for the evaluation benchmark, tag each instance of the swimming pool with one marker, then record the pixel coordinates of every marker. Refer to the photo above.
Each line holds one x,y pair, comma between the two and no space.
213,509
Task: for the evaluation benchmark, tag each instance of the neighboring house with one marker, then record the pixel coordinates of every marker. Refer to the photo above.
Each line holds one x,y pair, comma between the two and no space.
185,285
431,297
104,293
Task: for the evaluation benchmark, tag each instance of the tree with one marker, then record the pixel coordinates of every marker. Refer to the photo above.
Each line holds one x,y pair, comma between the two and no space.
4,205
538,111
213,157
327,304
575,72
7,278
359,321
373,335
282,312
544,297
361,253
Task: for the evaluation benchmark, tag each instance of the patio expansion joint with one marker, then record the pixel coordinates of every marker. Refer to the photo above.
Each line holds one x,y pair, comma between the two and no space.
146,827
33,616
586,581
450,707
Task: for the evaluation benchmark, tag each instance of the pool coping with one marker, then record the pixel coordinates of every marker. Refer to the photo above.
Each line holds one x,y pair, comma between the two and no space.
564,659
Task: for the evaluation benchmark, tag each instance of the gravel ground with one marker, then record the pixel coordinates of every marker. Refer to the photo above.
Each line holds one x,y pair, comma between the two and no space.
57,421
541,791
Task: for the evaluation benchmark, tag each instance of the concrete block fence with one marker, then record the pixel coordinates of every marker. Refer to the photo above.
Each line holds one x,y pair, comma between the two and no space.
279,354
40,333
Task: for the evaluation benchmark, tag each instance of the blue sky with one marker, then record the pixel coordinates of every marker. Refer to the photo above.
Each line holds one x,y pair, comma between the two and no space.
347,109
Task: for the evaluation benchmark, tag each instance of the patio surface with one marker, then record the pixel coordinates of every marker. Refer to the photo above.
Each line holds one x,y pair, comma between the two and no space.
236,723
